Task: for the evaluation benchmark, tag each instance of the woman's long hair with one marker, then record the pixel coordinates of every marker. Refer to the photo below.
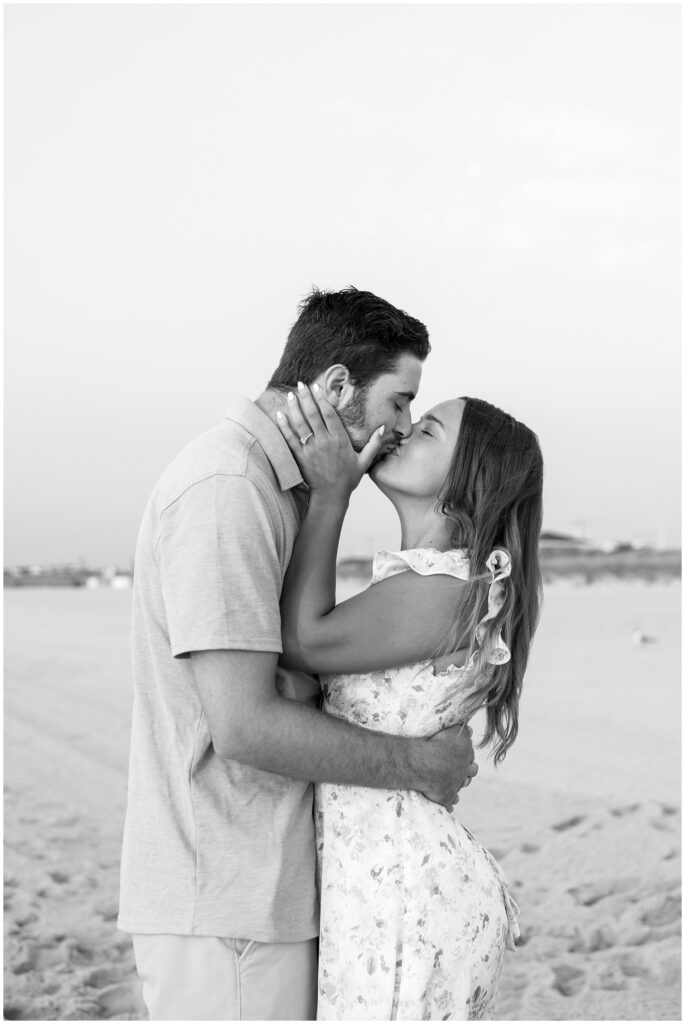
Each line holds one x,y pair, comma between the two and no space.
493,497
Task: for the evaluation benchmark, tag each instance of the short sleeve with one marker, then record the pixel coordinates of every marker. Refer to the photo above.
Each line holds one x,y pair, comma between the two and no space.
425,561
220,569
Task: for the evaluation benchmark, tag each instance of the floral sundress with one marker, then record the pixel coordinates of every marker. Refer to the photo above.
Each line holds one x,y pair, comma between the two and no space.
415,913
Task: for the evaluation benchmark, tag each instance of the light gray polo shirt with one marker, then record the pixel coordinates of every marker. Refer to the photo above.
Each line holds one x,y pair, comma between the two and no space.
213,847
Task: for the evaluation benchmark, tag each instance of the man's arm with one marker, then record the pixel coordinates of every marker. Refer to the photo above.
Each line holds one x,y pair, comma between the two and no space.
250,722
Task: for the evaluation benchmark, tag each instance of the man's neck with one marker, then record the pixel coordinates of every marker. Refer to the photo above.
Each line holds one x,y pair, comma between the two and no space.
271,400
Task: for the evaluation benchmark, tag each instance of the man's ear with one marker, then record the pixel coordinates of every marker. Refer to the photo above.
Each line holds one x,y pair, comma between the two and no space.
337,385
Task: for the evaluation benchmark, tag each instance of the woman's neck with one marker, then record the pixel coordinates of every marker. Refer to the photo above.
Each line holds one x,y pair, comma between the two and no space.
422,526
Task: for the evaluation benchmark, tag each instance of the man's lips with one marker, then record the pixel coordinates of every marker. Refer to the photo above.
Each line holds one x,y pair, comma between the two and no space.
383,455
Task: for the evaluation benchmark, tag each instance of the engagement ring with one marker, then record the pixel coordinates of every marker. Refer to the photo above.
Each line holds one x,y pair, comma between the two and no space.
303,440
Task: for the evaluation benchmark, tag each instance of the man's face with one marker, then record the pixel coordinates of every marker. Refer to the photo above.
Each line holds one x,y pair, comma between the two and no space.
387,400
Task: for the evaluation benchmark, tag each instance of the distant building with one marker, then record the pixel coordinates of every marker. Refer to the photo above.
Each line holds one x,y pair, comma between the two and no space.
354,567
121,581
113,579
611,547
66,576
552,543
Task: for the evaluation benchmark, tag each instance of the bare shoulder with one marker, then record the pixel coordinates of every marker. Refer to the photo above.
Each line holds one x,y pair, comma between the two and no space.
433,600
410,587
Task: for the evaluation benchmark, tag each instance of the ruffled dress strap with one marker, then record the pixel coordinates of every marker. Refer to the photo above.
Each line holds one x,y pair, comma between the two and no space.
499,566
425,561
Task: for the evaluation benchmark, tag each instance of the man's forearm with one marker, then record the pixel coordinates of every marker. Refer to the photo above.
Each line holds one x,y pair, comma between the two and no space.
289,738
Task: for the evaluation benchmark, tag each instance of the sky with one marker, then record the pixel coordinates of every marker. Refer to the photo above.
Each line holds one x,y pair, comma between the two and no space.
178,177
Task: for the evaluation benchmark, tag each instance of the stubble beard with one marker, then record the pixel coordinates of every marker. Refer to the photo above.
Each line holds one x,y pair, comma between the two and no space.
355,421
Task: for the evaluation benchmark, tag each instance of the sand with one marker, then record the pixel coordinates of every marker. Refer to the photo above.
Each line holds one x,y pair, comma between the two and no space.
584,815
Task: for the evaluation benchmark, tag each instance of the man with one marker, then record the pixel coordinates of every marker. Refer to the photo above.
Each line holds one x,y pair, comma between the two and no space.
218,861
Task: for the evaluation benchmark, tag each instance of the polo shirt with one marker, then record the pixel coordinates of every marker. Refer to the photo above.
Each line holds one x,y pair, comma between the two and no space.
213,847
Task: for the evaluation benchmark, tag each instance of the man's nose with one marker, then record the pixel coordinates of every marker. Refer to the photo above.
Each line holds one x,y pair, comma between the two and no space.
403,428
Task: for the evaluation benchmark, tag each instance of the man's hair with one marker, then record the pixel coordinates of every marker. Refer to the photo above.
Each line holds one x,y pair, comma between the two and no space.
364,333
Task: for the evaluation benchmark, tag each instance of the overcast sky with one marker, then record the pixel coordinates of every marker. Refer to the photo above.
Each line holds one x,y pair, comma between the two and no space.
178,177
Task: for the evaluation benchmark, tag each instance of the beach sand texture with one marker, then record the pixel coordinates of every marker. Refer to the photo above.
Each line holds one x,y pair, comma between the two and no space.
584,815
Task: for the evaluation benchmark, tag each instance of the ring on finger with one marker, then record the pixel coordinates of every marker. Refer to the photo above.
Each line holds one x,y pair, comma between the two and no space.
305,437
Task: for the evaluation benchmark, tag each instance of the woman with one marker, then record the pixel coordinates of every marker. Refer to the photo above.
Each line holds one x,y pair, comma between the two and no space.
415,913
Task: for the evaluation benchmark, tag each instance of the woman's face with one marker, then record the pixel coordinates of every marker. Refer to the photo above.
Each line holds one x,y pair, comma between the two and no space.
418,467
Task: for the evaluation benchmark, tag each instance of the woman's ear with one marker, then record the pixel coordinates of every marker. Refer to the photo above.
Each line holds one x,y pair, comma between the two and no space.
337,385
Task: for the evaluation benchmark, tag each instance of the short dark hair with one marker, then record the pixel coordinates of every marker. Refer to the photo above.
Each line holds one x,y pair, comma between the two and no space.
358,329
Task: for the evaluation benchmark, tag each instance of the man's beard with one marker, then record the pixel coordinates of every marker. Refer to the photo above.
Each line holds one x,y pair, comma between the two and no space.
355,421
357,425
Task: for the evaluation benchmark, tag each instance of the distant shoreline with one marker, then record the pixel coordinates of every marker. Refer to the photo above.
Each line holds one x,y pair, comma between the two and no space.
588,566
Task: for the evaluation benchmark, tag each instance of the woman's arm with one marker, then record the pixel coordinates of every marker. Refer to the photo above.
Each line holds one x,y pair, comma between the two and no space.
396,622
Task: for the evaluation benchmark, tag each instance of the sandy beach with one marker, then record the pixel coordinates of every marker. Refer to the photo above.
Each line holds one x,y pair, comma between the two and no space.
584,815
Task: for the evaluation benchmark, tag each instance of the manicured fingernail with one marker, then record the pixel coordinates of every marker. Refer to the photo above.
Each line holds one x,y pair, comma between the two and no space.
300,386
317,388
382,430
291,396
279,415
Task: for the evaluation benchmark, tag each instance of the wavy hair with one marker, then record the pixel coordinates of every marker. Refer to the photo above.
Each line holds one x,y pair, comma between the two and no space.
493,497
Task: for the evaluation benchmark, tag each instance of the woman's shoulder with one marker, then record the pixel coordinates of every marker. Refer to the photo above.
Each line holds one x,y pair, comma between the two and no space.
424,561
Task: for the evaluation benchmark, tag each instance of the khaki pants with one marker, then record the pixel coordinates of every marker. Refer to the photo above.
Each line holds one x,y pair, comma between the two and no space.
196,977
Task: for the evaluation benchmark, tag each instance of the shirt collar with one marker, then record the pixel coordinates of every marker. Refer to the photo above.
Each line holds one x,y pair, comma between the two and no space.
241,410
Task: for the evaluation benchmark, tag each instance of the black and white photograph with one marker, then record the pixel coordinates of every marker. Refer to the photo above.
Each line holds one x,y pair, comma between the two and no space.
342,521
